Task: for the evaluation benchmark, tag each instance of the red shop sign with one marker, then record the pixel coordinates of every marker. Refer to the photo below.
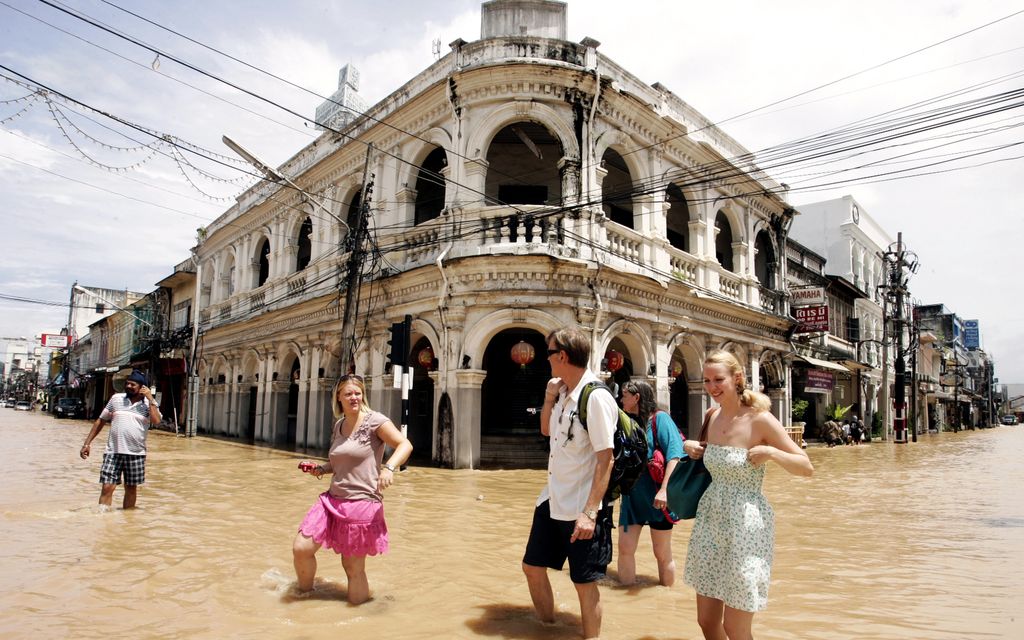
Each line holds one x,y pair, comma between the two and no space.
811,319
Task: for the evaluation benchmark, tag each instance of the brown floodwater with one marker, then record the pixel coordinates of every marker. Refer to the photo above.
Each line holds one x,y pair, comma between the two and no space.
886,541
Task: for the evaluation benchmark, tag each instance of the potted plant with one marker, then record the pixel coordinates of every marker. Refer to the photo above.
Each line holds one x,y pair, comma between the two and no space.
797,411
836,411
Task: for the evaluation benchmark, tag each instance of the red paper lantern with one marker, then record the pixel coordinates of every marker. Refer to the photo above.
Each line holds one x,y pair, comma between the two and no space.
426,358
615,360
523,353
676,368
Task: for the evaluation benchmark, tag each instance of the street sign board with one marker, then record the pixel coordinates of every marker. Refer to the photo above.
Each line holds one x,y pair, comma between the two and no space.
808,295
972,334
56,340
819,381
811,319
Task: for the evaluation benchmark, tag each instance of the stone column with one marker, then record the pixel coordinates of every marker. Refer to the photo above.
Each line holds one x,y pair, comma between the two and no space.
467,407
301,415
476,175
263,400
695,408
314,418
569,170
278,414
233,394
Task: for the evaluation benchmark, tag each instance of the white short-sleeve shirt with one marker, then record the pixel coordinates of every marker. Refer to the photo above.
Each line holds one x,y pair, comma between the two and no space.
129,425
573,459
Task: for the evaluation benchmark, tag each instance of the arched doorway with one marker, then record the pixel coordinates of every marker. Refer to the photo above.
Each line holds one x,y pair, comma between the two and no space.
617,189
430,186
723,242
293,403
421,400
621,371
679,392
522,166
511,398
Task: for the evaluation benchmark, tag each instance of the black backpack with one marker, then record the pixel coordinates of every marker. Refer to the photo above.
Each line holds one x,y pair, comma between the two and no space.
630,446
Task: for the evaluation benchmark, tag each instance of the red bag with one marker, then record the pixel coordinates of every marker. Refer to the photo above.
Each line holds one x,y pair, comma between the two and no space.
656,465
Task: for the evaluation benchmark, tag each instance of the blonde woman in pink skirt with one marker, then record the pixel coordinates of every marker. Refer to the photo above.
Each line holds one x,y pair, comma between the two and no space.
348,518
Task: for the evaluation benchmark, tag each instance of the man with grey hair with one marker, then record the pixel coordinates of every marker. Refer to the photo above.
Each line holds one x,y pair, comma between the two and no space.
571,520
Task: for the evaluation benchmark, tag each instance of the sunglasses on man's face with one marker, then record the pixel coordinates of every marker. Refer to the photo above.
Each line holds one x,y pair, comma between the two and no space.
552,352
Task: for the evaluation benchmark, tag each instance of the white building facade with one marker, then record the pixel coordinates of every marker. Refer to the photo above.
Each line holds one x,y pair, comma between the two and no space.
519,184
853,243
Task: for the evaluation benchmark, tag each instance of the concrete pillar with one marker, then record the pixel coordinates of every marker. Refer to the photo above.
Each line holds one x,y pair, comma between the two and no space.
314,418
695,407
466,402
301,416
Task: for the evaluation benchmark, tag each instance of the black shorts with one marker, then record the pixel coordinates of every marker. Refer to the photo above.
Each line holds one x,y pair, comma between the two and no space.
549,545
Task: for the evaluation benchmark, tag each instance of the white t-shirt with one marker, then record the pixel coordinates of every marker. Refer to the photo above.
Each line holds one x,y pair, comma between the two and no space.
573,460
129,425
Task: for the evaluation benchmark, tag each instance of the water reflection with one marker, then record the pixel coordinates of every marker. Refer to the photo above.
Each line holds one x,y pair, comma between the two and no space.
914,541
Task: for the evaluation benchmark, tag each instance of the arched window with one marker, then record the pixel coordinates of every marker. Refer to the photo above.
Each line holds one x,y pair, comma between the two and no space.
723,241
352,218
522,166
305,250
227,278
430,185
617,189
677,218
264,263
764,260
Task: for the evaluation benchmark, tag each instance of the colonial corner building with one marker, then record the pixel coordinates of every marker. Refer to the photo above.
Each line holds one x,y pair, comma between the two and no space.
520,183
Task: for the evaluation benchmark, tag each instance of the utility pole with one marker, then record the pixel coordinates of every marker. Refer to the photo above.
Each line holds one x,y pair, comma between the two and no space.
914,348
354,275
897,260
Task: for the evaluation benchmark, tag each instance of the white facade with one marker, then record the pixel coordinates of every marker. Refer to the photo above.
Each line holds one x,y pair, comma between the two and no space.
513,194
853,243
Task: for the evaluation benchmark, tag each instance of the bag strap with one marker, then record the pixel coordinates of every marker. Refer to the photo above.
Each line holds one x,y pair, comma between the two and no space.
654,427
704,428
581,407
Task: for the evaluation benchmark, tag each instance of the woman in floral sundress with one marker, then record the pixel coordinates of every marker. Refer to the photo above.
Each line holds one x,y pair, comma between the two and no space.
729,558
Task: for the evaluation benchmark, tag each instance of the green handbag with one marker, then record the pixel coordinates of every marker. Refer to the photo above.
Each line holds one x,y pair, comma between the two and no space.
689,480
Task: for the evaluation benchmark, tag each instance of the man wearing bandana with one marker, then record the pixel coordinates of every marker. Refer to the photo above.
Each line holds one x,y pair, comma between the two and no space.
130,414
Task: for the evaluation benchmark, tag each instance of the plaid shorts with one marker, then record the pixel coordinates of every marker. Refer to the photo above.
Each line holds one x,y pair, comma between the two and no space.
133,468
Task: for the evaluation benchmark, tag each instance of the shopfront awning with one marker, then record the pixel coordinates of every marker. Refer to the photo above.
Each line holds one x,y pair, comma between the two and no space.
853,365
823,364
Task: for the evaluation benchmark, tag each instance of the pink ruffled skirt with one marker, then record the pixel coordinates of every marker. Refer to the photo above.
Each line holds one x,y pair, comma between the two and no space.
347,527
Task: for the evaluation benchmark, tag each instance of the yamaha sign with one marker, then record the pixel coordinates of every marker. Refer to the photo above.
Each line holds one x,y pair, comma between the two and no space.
808,296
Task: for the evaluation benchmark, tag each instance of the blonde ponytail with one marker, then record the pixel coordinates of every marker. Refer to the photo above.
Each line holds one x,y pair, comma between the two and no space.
748,397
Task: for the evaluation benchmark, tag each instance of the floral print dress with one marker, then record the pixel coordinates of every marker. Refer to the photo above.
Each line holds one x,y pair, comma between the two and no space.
730,553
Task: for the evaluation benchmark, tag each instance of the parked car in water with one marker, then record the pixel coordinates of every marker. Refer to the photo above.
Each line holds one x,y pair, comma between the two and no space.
6,402
69,408
1009,419
22,405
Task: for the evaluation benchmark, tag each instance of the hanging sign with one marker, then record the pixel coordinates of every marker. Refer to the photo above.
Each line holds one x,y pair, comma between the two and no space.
818,381
811,319
56,340
808,295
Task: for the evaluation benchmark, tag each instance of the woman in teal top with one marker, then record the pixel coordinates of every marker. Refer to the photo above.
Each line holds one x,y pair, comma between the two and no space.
644,504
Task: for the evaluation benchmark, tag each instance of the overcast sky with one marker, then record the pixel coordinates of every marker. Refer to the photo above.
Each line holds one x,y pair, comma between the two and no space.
67,219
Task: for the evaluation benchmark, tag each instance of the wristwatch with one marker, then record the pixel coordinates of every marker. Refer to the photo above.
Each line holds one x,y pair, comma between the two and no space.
389,467
591,513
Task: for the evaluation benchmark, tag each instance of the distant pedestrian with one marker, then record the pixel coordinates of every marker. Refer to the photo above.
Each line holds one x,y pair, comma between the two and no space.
348,518
570,519
856,430
130,415
729,558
